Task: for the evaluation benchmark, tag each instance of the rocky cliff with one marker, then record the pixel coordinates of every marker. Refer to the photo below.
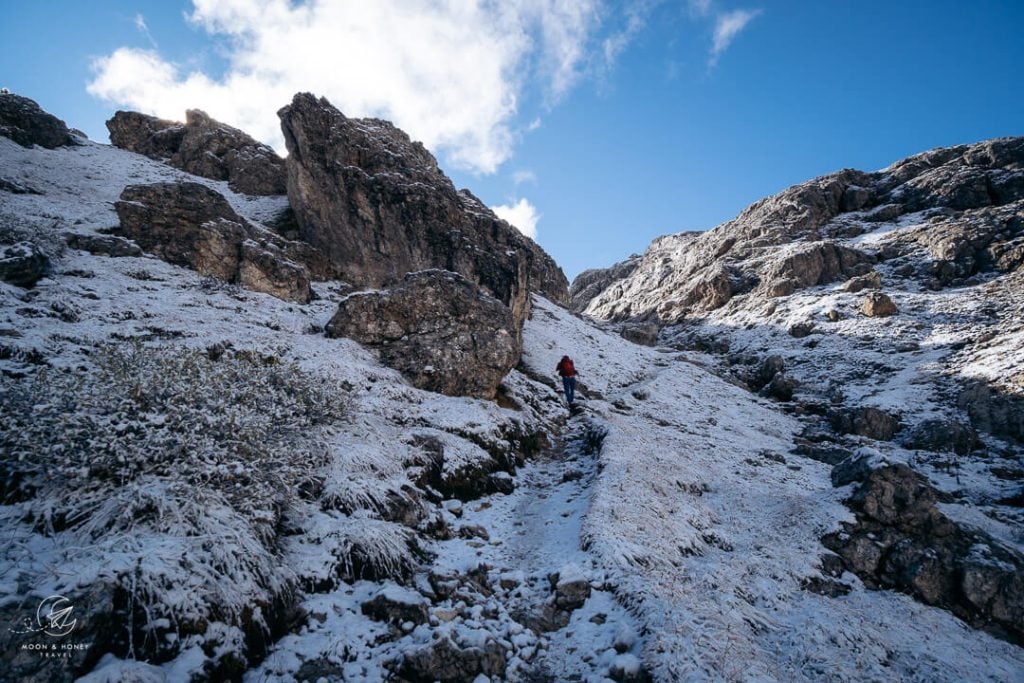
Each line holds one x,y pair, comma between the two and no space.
379,206
204,147
964,202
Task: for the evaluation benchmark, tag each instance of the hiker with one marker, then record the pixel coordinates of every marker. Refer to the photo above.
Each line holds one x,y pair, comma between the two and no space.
567,372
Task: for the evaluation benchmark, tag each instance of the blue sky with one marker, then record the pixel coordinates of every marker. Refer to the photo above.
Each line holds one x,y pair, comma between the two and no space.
611,122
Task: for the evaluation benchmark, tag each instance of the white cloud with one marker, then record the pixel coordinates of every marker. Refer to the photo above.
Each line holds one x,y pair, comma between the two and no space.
143,28
523,215
524,176
727,27
700,8
636,14
451,73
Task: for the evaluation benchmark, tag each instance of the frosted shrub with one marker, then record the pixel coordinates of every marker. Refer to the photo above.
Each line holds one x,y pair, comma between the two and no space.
177,465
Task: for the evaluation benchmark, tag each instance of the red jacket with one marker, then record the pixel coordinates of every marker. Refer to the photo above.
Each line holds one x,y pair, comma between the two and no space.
565,368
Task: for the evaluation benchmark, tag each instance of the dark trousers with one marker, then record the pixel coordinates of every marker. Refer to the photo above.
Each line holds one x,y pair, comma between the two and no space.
569,384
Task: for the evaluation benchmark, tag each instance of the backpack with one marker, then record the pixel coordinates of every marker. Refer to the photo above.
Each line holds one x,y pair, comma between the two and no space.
566,368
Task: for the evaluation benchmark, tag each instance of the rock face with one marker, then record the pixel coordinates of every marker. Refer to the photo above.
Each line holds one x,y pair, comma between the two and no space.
25,122
23,263
902,540
592,282
378,205
204,147
437,329
445,661
189,224
788,242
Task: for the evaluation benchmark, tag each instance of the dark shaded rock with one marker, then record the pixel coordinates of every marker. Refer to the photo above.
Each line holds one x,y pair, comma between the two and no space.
397,606
437,329
781,387
14,187
645,334
993,409
855,198
188,224
825,586
801,329
856,467
23,263
25,122
104,245
830,455
378,205
501,482
764,372
872,280
143,134
902,540
942,436
868,421
204,147
443,660
98,621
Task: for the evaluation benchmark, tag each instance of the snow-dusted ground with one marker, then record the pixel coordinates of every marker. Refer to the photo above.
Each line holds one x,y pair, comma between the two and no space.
709,529
672,492
911,365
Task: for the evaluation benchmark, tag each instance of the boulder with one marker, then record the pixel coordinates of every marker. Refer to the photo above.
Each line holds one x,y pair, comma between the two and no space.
868,421
436,328
103,245
943,436
188,224
23,263
378,205
204,147
781,387
644,334
571,591
25,122
143,134
872,280
878,305
396,606
765,371
444,660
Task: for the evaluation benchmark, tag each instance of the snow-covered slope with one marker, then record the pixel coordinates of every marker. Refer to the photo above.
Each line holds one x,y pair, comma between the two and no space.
223,492
710,529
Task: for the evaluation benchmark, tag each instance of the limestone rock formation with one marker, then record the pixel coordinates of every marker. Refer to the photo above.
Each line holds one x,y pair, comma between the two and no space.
902,540
437,329
25,122
189,224
792,240
378,205
593,281
204,147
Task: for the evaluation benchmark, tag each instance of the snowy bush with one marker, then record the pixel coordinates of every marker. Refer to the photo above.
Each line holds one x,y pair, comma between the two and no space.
173,471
